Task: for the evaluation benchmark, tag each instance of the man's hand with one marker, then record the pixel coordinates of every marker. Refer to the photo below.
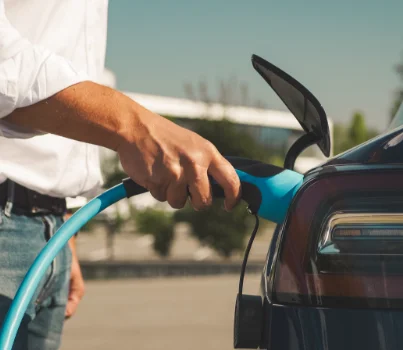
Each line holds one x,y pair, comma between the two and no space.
76,288
172,162
156,153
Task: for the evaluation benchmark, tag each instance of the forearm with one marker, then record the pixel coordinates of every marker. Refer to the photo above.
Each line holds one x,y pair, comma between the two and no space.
86,112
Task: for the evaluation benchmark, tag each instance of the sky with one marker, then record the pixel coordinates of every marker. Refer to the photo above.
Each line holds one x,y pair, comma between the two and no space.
343,51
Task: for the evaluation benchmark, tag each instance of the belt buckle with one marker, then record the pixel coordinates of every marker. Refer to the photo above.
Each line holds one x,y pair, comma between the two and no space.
47,205
34,208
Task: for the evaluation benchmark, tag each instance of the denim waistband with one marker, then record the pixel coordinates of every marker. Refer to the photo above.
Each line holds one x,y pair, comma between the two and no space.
21,200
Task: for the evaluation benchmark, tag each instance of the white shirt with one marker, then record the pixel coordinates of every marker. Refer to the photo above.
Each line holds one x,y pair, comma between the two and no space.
46,46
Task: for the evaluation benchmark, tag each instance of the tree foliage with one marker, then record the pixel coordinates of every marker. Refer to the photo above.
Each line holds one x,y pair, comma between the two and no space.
358,130
214,227
352,135
399,93
229,91
113,225
222,231
160,225
229,139
112,171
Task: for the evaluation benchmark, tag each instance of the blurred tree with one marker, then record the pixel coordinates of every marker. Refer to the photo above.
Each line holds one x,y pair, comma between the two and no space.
396,104
222,231
339,137
358,130
229,139
353,135
214,227
399,93
229,91
113,174
112,170
113,226
160,225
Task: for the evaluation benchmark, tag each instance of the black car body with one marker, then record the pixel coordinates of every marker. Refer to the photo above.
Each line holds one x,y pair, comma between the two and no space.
333,279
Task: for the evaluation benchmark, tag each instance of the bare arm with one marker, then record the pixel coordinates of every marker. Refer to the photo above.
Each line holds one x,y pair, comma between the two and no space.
86,112
156,153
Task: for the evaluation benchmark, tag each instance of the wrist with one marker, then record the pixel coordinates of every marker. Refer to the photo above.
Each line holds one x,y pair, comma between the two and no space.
135,125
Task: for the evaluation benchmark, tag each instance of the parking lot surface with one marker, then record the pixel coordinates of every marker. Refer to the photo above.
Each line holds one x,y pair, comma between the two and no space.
167,313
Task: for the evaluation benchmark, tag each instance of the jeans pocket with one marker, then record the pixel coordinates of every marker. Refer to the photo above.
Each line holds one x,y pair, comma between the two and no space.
46,290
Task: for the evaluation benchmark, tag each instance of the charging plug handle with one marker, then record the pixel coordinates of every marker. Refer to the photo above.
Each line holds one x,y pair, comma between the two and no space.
249,171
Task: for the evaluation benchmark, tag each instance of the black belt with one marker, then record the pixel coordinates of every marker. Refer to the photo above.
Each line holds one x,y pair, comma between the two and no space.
27,202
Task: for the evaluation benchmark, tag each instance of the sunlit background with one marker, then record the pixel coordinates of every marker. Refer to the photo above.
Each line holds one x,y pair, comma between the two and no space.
158,278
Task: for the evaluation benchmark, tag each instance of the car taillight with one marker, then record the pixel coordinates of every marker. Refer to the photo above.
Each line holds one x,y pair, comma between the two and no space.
342,244
359,234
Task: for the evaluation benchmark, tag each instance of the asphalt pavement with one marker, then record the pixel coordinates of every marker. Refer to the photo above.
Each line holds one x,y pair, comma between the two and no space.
167,313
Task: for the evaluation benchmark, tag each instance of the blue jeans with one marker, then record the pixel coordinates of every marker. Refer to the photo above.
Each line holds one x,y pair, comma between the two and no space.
21,239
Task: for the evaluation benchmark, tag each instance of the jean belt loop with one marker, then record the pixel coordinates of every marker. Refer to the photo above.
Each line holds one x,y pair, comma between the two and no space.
10,198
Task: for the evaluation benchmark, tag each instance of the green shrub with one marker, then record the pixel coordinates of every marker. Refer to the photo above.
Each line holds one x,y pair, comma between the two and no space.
214,227
160,225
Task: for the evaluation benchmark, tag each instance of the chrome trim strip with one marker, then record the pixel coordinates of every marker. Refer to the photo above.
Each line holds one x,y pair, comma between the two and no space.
343,218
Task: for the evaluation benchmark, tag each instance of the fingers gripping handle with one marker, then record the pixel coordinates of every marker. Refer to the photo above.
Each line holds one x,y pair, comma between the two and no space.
267,189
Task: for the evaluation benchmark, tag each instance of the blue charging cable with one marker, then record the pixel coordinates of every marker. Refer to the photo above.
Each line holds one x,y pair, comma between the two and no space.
39,267
267,189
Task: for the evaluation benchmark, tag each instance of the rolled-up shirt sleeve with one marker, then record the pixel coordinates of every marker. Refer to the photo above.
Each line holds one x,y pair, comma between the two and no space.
28,74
